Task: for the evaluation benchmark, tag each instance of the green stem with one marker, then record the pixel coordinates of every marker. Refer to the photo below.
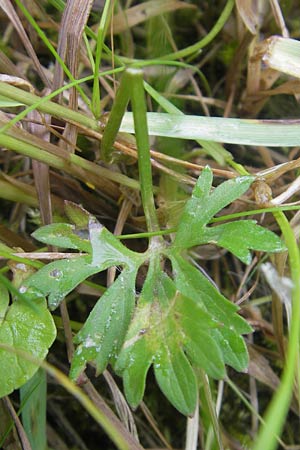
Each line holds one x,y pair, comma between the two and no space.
73,164
138,102
195,48
43,104
278,408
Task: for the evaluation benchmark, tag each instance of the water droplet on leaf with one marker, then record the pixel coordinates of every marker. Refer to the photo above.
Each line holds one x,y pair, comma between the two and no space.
55,273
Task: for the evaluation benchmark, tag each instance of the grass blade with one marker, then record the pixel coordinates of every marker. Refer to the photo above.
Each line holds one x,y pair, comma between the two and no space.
33,397
276,133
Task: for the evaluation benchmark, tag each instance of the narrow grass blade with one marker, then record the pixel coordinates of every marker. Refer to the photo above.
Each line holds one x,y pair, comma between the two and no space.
48,44
195,48
115,118
276,133
214,149
33,398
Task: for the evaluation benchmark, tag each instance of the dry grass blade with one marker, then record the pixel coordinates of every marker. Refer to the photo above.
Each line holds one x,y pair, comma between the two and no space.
260,369
89,389
74,20
279,17
13,239
13,189
252,13
41,170
192,431
72,25
121,405
17,82
7,66
15,20
144,11
291,87
20,430
280,56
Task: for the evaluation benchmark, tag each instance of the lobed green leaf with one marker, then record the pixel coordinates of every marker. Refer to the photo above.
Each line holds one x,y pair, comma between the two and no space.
103,333
59,278
204,204
199,343
133,364
176,378
63,235
193,284
106,247
177,323
170,331
240,236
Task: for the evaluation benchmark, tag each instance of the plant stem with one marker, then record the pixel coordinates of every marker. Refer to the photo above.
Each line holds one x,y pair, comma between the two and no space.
73,164
135,76
45,105
195,48
278,408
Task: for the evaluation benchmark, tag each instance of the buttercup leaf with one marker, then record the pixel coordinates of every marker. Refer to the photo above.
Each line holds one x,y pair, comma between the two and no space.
204,204
59,278
194,284
239,237
179,321
63,235
161,334
103,333
176,378
106,247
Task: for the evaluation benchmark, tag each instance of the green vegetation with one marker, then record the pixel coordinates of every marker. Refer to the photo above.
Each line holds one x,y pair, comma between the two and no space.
148,236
